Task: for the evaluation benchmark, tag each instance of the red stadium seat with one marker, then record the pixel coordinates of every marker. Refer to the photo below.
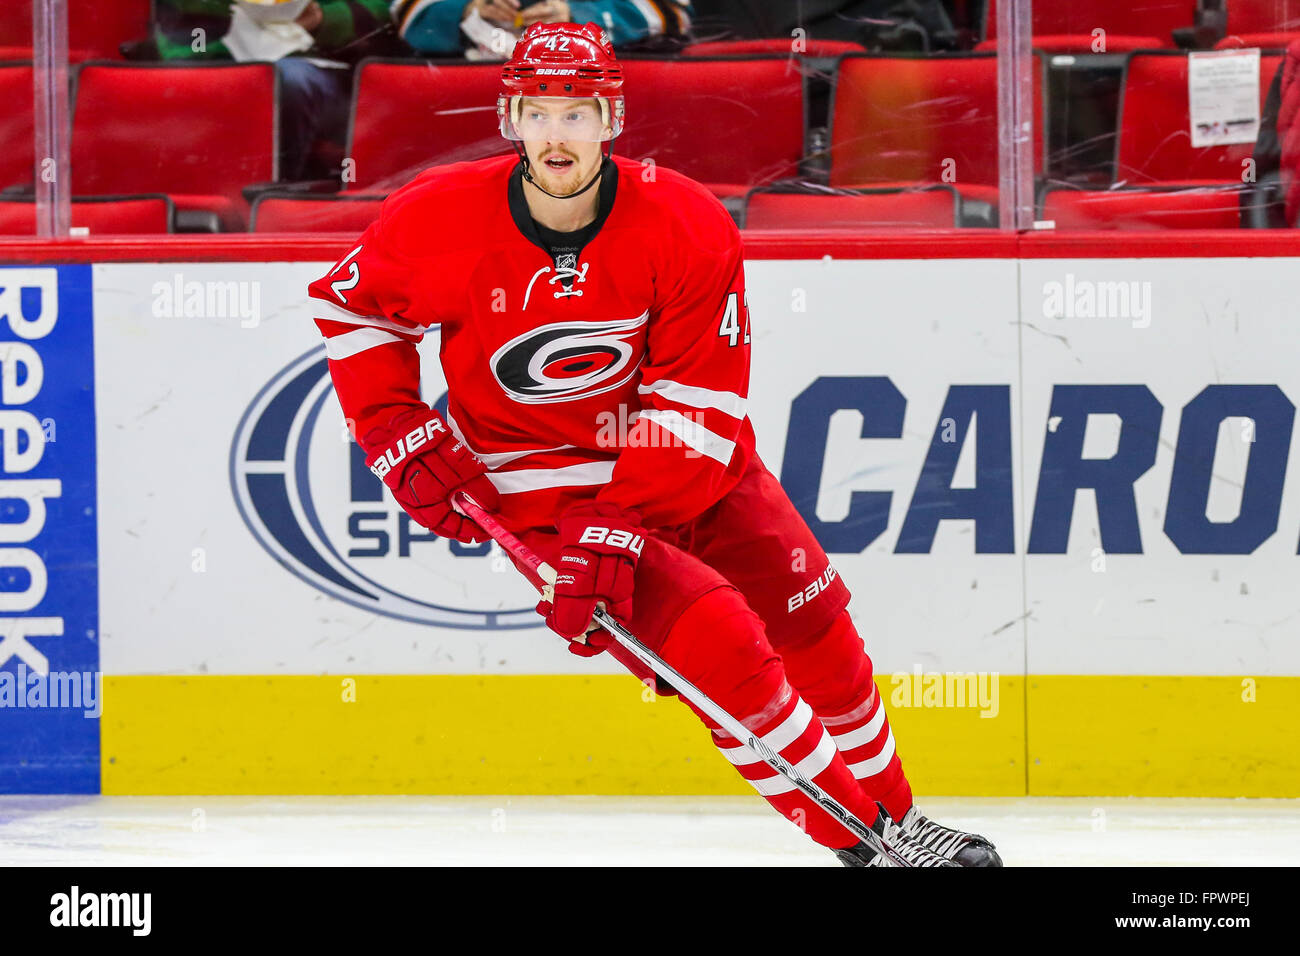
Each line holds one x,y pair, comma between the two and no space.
730,124
1155,142
783,45
101,215
96,28
1194,207
920,119
745,129
198,132
408,115
1264,41
1067,27
17,159
1270,24
282,212
930,207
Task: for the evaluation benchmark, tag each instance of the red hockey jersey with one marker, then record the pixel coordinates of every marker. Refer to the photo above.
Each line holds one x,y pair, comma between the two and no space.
620,374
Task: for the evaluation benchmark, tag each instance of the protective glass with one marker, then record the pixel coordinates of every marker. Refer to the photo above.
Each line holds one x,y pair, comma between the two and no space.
1157,117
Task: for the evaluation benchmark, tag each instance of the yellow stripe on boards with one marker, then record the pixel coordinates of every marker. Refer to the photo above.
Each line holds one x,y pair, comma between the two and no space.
945,742
556,734
380,734
1164,736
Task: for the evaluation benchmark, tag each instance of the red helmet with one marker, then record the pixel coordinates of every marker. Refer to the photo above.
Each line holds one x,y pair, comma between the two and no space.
562,60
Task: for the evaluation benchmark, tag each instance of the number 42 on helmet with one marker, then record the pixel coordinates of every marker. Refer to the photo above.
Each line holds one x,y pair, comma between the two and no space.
562,84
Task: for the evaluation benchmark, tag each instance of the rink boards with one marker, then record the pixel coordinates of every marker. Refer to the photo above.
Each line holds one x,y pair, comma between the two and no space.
1060,490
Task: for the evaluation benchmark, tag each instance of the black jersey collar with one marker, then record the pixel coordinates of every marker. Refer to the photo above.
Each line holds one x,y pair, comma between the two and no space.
524,219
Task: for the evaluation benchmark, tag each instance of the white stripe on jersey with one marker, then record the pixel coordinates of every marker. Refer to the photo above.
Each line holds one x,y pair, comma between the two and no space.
358,340
729,403
694,434
537,479
496,459
332,313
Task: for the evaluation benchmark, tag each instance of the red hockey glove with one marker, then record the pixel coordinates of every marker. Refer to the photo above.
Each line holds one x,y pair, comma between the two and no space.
422,461
600,545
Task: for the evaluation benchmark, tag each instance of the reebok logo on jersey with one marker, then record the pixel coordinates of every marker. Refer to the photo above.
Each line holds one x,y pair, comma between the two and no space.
800,598
625,540
567,361
397,452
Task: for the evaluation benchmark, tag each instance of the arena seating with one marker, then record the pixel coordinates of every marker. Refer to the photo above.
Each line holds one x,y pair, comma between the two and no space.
730,124
96,28
1154,143
146,127
17,159
1269,24
775,45
1066,26
408,115
920,119
933,207
1197,207
912,139
100,215
289,212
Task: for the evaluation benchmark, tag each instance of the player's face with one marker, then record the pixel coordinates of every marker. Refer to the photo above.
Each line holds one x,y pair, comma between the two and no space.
563,140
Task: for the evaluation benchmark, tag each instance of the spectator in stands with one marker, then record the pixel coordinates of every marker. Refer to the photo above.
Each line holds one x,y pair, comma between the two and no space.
874,24
314,93
1277,150
487,29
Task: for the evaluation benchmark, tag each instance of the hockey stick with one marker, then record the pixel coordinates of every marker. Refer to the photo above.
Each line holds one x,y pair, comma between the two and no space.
543,576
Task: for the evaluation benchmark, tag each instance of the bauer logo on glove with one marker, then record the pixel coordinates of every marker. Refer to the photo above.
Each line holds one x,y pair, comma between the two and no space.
392,457
424,464
597,563
615,538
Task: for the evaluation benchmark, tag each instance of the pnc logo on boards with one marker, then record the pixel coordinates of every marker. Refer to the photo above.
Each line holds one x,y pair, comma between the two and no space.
303,489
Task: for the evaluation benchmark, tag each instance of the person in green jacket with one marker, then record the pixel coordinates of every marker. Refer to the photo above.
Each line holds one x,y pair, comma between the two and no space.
314,97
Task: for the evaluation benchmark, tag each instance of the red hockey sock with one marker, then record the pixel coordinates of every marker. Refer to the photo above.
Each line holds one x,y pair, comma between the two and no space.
834,674
863,736
719,644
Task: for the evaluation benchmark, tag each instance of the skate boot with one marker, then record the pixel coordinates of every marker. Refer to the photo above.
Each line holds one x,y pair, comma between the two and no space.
964,849
906,846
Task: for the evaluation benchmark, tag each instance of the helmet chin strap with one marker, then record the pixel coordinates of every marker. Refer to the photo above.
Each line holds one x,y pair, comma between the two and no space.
523,158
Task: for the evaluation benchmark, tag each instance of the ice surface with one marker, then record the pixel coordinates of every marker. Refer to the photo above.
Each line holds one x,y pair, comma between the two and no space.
615,831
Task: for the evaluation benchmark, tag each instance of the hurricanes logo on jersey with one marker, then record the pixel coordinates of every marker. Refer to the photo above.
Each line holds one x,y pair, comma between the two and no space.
566,361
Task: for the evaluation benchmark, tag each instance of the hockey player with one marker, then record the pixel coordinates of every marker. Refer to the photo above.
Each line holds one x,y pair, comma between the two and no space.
595,340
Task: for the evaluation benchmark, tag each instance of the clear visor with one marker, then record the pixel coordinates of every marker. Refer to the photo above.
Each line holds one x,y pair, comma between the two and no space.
556,120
